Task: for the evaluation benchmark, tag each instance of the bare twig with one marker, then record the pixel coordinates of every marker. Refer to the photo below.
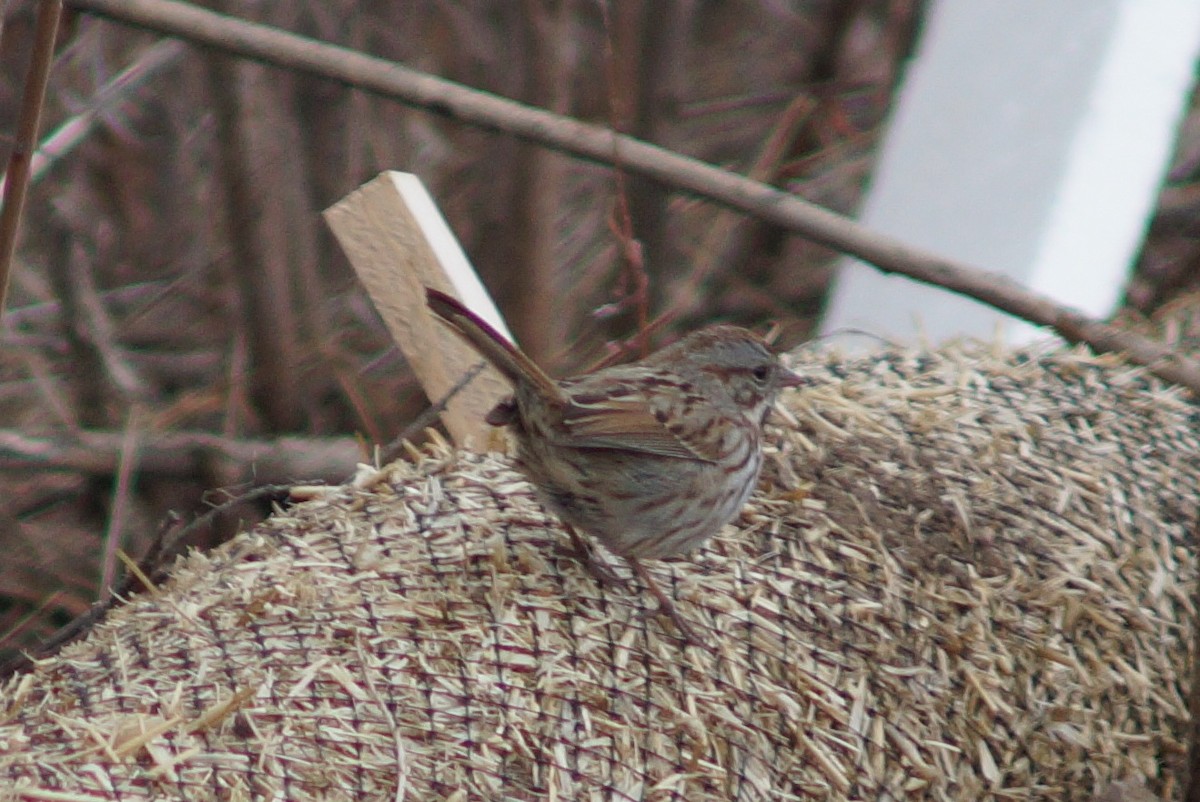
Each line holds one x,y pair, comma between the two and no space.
40,312
427,418
185,454
349,381
122,497
820,225
49,12
723,238
164,548
634,288
96,328
31,617
51,393
173,534
71,132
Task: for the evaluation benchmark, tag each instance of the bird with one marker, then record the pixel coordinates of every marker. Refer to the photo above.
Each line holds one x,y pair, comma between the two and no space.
650,458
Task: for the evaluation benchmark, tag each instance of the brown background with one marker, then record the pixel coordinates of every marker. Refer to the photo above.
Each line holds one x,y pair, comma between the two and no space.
174,278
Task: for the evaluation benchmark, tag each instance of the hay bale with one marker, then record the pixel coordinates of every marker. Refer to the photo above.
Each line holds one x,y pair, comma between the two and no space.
965,576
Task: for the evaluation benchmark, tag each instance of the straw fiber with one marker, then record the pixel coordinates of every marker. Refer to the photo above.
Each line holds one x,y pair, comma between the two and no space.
966,575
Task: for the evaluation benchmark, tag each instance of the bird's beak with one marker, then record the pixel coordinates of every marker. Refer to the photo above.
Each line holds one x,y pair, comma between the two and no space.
789,378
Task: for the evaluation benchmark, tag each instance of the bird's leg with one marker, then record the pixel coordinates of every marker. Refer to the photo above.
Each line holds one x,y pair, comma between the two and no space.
666,605
586,555
605,576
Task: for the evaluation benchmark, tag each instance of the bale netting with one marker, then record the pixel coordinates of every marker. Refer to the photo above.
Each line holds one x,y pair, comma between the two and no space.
966,575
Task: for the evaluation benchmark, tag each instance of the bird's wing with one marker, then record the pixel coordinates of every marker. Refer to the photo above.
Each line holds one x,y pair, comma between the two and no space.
623,418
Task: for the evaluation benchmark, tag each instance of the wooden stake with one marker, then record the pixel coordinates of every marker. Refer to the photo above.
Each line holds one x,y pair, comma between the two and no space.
399,244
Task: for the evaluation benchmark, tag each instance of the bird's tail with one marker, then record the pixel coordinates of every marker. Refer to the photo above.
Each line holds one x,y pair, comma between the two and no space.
504,356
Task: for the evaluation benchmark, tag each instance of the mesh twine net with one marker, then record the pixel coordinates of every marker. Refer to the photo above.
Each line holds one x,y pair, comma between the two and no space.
966,575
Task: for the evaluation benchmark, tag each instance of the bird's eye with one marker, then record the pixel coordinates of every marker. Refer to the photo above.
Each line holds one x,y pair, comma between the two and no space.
762,373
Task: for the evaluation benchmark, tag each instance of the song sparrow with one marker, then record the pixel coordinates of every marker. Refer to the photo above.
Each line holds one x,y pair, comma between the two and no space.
651,458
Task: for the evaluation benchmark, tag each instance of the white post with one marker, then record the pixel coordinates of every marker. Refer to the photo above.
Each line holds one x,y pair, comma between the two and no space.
1030,138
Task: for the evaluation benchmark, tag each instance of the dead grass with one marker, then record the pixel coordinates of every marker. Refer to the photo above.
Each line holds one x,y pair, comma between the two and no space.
966,576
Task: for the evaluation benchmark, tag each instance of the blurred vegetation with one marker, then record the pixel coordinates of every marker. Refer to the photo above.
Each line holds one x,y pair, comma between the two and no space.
176,292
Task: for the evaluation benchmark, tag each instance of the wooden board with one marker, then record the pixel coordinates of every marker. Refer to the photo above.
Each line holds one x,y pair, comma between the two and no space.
399,244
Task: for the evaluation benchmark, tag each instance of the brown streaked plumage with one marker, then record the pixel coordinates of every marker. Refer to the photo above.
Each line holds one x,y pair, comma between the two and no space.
650,458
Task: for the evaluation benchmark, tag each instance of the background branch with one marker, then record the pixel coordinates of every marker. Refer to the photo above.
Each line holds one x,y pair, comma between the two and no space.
72,132
284,459
890,255
21,158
